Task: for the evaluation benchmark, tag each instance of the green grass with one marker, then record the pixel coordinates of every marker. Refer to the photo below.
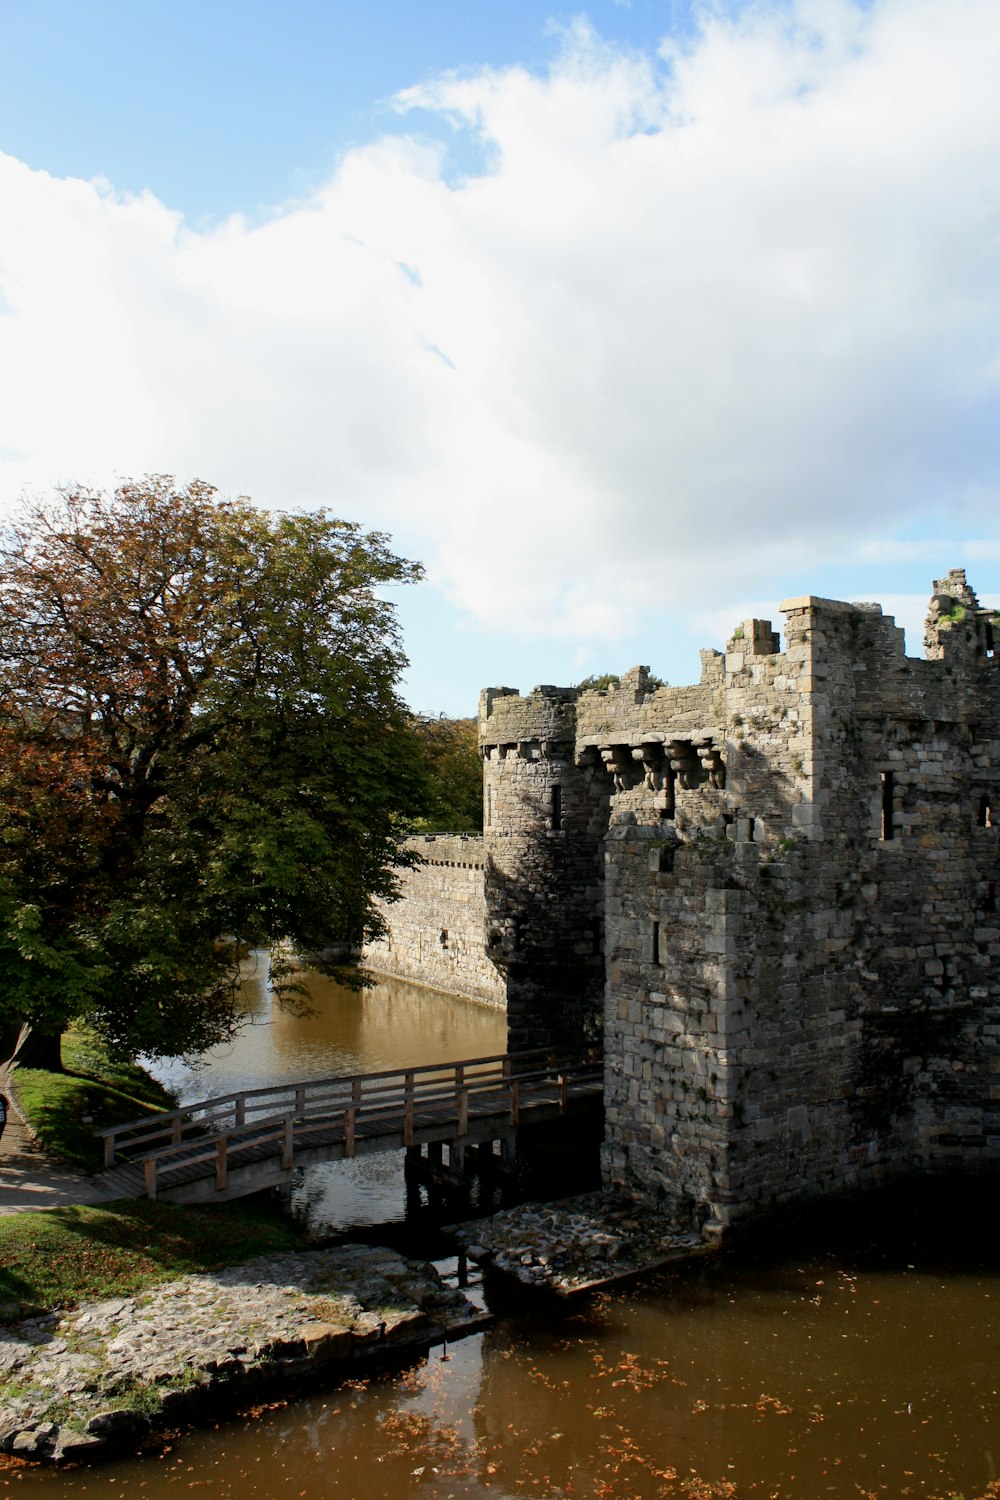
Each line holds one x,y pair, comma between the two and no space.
65,1256
64,1109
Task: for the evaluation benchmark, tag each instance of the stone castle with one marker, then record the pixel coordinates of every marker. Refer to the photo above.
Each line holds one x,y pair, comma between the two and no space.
772,897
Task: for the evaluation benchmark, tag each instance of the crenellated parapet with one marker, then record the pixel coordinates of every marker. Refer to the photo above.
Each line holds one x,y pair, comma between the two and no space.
542,723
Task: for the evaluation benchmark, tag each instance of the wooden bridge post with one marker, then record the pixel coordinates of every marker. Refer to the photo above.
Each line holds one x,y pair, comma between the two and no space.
109,1151
221,1164
514,1102
241,1110
350,1121
149,1176
463,1112
288,1144
408,1108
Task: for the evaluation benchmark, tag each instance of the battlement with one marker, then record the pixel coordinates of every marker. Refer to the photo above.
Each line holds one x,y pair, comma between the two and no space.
462,851
508,721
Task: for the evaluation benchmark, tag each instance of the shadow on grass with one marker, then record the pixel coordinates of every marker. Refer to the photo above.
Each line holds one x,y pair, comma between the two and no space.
64,1256
64,1110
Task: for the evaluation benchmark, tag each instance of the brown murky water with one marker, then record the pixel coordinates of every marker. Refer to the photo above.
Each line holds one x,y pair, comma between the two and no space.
392,1025
867,1364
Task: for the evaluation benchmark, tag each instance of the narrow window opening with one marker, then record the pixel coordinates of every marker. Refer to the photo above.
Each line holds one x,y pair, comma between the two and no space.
888,830
990,903
750,828
669,800
557,808
444,937
656,942
985,814
489,806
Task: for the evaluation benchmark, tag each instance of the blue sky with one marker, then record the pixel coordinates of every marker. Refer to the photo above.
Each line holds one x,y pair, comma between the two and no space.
628,320
222,106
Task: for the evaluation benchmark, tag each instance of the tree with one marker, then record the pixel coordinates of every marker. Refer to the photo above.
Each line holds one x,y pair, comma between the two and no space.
201,750
455,771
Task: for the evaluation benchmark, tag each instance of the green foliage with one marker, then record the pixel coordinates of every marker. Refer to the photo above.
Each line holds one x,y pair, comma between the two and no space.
201,750
65,1256
64,1109
455,775
599,682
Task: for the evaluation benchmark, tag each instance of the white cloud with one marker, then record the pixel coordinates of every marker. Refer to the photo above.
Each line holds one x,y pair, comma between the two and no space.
700,321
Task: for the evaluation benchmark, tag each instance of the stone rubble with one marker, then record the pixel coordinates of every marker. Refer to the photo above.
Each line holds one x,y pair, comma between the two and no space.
74,1386
576,1244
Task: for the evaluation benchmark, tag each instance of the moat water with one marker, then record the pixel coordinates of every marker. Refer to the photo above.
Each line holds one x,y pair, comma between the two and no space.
860,1359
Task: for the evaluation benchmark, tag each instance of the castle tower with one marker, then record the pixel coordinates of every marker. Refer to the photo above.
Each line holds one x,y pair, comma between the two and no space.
544,818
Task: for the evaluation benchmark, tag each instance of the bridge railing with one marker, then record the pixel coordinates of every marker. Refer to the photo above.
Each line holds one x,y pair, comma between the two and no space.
461,1090
229,1113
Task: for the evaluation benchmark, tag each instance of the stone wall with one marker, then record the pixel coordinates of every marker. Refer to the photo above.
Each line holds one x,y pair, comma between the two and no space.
772,894
437,928
802,982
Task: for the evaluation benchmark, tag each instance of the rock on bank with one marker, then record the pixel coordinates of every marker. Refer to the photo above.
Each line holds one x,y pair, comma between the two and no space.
81,1384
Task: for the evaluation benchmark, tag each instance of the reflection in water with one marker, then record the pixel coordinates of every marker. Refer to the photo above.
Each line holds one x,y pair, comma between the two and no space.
812,1377
392,1025
868,1369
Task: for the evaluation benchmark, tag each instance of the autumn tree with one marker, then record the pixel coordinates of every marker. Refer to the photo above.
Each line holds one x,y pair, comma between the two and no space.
201,750
455,774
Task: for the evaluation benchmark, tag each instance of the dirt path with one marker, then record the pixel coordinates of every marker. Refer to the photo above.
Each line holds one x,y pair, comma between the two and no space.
29,1177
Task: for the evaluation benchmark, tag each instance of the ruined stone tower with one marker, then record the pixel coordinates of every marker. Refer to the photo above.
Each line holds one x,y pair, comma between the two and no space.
798,906
544,819
773,895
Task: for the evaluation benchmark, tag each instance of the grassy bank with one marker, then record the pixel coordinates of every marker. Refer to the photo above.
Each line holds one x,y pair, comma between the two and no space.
64,1109
65,1256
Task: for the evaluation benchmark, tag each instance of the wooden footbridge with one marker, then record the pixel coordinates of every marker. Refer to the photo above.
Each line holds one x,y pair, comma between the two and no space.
239,1143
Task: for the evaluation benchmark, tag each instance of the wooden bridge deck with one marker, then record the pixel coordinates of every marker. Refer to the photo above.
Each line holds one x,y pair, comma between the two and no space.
238,1143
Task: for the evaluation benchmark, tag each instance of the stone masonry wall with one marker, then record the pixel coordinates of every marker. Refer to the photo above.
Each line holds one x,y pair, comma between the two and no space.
437,928
802,947
773,894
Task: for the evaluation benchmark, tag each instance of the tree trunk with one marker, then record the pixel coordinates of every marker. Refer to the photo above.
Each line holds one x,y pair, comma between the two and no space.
39,1049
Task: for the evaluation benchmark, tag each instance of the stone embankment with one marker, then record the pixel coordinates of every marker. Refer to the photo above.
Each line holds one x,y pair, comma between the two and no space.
78,1385
578,1244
